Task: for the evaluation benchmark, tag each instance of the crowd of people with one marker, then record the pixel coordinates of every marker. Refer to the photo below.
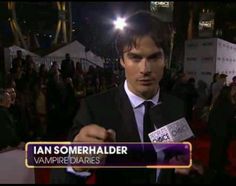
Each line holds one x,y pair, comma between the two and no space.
41,103
44,102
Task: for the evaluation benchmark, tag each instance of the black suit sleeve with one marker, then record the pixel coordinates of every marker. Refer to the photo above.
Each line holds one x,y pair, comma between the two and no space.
4,139
82,118
62,65
61,176
8,136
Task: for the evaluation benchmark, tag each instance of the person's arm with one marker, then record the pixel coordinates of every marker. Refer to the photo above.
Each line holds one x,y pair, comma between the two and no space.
84,130
73,66
62,66
69,175
82,118
59,176
83,174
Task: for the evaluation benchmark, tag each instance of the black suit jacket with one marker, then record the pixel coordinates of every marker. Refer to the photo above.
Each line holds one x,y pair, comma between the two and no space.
113,110
8,133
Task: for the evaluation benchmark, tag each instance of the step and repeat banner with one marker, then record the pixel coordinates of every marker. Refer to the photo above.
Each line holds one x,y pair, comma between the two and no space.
204,57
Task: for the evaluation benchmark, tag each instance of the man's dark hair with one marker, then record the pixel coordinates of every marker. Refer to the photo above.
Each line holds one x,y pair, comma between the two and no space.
67,55
19,52
140,24
2,94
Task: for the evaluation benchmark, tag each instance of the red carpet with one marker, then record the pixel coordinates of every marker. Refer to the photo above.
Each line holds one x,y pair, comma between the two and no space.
42,176
201,145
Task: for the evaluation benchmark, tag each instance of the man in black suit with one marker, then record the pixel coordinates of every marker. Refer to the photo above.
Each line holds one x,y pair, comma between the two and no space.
8,134
118,114
67,67
18,61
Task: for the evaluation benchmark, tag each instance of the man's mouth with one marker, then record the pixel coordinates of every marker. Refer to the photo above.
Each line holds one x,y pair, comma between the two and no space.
146,81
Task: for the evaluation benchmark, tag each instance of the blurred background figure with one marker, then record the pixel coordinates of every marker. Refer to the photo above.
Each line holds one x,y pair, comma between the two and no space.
222,120
217,87
67,67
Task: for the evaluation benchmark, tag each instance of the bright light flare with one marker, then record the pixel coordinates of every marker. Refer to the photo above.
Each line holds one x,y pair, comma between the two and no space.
119,23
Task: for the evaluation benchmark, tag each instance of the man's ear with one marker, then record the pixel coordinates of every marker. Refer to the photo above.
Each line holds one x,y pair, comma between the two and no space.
165,63
122,62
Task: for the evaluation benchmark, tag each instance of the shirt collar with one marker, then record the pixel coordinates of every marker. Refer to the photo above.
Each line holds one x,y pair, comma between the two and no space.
136,101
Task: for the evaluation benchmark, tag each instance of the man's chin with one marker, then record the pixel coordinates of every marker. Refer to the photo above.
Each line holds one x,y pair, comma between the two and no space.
147,92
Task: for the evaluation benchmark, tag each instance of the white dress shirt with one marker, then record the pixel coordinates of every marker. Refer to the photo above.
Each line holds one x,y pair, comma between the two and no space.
139,109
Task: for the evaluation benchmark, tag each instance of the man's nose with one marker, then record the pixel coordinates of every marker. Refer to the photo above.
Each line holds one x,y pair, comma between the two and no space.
145,67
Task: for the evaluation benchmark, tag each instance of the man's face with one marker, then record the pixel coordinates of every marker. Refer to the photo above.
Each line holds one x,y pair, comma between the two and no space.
67,56
7,100
144,67
233,91
19,54
223,80
12,93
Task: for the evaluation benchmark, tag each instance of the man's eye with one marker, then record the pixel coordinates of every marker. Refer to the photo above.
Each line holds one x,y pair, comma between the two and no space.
135,58
155,57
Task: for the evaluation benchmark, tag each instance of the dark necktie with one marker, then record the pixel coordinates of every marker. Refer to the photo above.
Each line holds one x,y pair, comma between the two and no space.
149,154
147,124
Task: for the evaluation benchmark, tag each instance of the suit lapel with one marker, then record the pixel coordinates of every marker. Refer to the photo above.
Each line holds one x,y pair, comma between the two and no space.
163,113
156,113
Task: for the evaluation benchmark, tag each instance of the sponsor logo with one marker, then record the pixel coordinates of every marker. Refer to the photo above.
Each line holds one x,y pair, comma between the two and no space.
207,59
178,131
163,137
207,44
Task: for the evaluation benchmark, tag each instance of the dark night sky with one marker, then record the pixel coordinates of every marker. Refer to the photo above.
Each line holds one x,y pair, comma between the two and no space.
94,20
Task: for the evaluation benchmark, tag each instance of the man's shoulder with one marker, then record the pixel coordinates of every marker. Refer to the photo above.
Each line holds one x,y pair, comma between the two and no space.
216,84
172,107
103,96
172,99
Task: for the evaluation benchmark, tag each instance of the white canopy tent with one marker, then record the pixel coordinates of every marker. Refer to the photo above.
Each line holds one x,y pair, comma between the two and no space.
75,49
10,54
94,58
77,52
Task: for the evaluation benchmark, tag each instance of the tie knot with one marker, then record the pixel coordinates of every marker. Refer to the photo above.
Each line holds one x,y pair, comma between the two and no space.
147,105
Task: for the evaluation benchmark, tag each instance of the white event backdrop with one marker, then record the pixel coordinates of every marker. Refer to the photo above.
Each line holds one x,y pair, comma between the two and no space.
204,57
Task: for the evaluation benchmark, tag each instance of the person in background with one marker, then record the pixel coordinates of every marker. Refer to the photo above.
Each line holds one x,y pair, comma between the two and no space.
67,67
217,87
233,81
18,61
222,119
8,132
216,76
